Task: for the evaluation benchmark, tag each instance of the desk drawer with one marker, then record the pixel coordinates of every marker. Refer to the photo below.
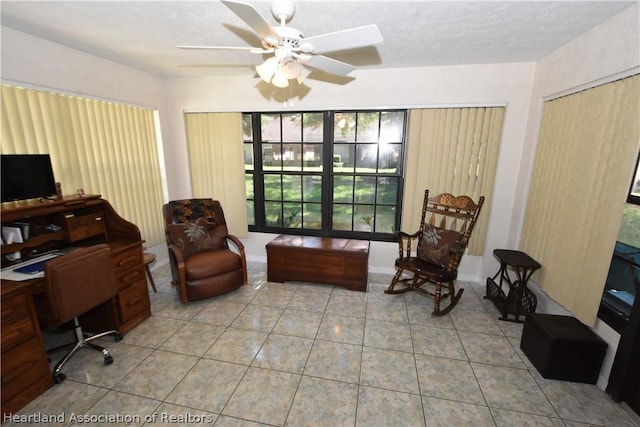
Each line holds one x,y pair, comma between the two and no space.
21,367
15,308
82,226
133,300
127,259
16,332
129,277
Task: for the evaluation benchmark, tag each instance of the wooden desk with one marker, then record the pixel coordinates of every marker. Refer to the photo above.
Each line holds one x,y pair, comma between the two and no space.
342,262
78,222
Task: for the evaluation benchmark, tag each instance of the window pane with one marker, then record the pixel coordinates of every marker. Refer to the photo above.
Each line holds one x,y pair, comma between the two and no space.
313,127
387,193
365,190
343,189
312,188
629,232
385,219
291,157
344,157
367,157
251,213
270,125
292,215
292,127
312,156
312,216
635,188
292,187
368,126
247,129
344,127
248,179
392,126
273,214
389,158
363,218
248,156
272,190
272,156
342,217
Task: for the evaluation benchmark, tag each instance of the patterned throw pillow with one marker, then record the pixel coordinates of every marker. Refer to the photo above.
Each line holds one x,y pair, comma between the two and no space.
191,238
436,245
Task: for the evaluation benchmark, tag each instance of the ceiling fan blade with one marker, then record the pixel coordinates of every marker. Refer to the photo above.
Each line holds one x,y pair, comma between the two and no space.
344,39
329,65
250,49
250,15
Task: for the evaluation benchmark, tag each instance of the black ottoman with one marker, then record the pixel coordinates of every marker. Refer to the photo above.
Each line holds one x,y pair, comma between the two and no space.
562,348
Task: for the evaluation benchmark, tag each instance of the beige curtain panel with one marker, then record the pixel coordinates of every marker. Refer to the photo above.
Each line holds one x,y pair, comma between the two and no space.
216,163
452,150
102,147
583,168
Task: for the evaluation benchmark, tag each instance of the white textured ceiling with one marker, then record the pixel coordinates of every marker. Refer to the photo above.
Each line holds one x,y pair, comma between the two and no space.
144,34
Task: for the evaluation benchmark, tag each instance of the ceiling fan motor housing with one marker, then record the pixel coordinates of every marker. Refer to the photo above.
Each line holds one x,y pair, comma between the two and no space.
283,10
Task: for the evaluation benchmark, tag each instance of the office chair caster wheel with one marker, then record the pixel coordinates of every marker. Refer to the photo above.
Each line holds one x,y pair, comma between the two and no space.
59,378
108,360
117,336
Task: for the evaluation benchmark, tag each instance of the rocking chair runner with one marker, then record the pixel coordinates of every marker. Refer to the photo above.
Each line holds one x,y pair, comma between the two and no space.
441,242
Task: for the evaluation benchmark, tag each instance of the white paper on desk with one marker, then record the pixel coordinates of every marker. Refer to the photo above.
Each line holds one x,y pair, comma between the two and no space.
9,273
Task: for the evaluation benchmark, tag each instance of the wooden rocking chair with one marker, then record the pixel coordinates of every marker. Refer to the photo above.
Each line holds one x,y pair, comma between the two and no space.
441,242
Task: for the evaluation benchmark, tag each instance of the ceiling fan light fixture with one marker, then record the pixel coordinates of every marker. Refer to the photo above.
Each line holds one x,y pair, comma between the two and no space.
290,69
280,79
267,69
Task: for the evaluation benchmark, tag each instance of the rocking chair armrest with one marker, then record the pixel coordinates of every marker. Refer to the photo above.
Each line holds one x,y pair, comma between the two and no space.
405,242
402,234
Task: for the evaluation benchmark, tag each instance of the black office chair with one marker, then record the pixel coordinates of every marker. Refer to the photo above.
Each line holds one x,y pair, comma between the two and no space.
76,283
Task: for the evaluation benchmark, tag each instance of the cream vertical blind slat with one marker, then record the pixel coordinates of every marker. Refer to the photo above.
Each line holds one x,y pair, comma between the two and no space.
452,150
103,147
216,164
583,167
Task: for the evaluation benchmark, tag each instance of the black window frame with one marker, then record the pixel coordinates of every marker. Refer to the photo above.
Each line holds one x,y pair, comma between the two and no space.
635,183
328,174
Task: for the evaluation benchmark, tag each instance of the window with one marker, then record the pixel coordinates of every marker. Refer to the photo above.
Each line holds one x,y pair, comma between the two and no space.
624,272
334,173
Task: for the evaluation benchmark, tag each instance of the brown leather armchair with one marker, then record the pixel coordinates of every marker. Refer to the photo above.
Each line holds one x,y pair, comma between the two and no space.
202,264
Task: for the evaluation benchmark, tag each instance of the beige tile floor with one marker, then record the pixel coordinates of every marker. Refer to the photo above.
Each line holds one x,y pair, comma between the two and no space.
298,354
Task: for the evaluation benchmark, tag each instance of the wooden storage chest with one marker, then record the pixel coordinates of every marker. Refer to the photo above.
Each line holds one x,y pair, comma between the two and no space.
342,262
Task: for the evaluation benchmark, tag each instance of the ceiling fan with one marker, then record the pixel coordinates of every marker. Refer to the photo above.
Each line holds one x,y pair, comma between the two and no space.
291,51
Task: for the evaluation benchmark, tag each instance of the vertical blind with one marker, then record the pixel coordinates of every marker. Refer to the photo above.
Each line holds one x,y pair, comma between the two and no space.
583,166
102,147
216,164
452,150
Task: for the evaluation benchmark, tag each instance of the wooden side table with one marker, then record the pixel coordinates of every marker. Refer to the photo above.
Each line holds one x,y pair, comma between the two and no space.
519,299
148,259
